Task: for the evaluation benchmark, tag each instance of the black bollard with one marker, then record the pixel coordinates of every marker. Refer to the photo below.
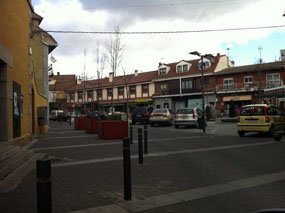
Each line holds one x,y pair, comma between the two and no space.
140,145
44,201
127,169
145,140
131,134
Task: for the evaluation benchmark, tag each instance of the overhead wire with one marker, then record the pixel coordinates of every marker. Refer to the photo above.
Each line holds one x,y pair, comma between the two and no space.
166,32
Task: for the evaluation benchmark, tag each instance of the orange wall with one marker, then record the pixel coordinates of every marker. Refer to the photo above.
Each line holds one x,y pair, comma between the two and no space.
15,36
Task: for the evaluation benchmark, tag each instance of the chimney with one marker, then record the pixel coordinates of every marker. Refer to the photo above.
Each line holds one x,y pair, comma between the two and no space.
58,73
159,64
111,75
136,73
218,54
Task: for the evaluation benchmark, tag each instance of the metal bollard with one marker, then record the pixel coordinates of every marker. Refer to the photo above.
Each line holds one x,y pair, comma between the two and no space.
145,140
131,134
140,145
127,169
44,200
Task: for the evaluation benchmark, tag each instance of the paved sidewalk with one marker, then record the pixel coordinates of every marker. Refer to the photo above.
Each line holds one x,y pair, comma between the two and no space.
83,179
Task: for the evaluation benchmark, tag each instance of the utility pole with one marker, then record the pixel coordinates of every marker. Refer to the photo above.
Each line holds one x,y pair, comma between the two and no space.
259,70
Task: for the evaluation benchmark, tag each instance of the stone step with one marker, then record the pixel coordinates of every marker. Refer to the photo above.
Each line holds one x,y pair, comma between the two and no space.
16,158
8,151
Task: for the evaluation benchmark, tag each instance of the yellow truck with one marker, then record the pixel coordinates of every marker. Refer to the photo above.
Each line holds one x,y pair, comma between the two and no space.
260,118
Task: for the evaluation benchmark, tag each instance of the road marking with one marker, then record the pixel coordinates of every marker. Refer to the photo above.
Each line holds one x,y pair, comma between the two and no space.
75,136
108,143
159,154
188,195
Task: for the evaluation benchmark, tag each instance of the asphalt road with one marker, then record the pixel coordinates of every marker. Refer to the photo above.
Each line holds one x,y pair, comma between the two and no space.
225,172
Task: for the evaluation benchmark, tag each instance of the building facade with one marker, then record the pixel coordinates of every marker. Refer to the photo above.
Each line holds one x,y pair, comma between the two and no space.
20,89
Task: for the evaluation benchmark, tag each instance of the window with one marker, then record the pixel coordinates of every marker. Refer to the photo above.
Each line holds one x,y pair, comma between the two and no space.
72,96
145,88
185,68
133,90
186,84
248,80
228,83
99,93
157,106
163,87
121,90
110,92
166,105
179,68
80,95
89,93
162,71
273,80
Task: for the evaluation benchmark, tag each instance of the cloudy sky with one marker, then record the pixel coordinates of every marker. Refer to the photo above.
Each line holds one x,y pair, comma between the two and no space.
144,52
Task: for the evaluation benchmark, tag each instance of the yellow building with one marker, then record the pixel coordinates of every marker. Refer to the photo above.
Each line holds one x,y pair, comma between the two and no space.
23,85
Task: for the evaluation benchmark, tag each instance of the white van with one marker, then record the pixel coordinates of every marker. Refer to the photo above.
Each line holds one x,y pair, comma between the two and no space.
54,113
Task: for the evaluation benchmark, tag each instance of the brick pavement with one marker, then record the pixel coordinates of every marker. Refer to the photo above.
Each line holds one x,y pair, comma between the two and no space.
97,184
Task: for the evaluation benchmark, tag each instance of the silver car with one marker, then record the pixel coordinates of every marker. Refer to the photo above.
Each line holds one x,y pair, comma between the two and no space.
187,117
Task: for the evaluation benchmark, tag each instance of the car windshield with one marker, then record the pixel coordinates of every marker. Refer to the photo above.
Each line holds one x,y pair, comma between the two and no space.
160,111
184,111
253,110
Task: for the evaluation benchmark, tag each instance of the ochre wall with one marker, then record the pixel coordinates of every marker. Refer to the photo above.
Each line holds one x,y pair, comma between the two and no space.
15,36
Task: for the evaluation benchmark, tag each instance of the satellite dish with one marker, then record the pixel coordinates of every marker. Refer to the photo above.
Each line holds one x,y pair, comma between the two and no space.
53,60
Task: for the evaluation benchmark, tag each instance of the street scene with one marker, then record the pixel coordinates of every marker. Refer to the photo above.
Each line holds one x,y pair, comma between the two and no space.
184,170
142,106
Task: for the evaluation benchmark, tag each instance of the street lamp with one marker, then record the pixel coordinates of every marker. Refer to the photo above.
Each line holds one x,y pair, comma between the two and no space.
203,101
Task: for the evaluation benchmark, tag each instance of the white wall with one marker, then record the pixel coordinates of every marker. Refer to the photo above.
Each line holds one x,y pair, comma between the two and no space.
139,91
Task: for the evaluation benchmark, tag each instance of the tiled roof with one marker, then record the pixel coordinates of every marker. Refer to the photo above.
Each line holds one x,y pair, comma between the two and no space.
253,68
147,76
63,82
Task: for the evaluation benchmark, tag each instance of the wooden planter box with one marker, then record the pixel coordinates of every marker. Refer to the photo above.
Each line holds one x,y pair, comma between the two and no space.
91,125
79,123
112,129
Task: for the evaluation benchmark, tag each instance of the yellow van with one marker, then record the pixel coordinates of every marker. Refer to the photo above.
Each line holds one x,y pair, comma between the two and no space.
260,118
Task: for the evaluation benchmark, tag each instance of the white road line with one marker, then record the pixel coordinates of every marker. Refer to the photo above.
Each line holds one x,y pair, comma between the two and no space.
159,154
75,136
108,143
187,195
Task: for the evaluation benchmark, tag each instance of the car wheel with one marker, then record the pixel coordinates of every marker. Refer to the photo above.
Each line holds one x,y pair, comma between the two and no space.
241,133
271,131
176,126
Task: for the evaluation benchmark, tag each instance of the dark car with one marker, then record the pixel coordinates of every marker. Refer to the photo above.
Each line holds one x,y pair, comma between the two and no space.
141,114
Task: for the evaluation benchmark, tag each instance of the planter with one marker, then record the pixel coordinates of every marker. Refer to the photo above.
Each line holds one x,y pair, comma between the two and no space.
91,125
79,123
112,129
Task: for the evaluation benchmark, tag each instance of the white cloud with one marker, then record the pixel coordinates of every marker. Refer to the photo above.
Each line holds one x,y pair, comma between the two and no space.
143,52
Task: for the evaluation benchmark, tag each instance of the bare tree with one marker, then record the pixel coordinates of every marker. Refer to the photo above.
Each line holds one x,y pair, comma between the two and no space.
100,59
114,49
127,78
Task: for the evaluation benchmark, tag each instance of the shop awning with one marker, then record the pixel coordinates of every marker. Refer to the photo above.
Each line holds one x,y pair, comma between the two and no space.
238,98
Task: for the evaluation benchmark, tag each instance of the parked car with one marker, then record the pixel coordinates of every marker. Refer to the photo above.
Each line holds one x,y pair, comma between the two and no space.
260,118
54,114
161,116
95,114
141,114
66,116
187,117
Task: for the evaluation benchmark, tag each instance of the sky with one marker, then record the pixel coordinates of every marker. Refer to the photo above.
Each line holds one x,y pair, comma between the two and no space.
76,52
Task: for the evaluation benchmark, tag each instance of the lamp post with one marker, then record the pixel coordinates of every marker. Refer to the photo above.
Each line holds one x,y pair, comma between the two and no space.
202,86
